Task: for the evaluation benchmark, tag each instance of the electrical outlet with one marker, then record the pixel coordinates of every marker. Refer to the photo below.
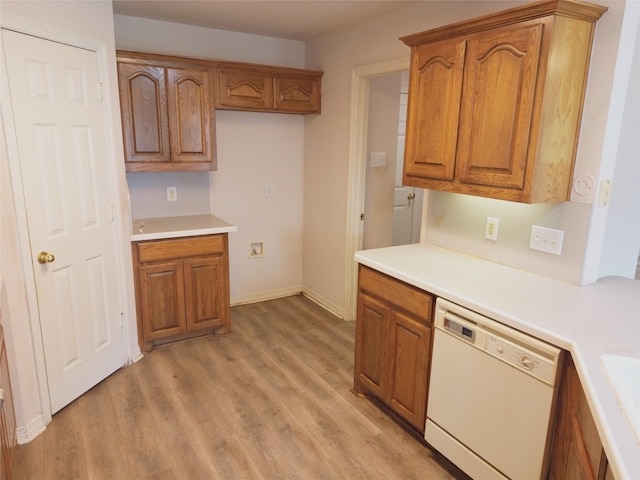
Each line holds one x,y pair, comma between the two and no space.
172,194
546,239
491,228
268,190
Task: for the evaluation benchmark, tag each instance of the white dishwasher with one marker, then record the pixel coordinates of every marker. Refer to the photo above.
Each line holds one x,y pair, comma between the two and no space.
492,396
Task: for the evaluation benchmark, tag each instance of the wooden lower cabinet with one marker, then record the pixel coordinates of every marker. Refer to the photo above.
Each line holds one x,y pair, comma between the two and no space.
393,344
576,452
182,287
7,416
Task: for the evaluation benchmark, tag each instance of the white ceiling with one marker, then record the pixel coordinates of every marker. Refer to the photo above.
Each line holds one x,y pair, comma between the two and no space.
291,19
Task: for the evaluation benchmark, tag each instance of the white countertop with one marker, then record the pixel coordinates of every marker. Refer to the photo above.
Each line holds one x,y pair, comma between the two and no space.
172,227
588,321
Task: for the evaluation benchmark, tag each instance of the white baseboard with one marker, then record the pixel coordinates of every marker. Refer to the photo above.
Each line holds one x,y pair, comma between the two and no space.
323,302
287,292
30,431
264,296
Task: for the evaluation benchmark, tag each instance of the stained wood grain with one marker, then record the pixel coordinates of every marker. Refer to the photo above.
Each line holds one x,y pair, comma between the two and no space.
272,400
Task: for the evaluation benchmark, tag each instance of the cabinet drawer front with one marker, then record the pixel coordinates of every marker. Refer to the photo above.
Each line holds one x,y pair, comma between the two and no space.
179,248
403,296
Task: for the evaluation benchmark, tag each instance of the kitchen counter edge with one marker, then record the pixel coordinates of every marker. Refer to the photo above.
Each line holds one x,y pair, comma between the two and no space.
180,226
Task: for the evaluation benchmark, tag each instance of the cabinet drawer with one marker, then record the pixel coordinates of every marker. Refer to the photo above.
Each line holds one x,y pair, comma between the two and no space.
402,295
156,250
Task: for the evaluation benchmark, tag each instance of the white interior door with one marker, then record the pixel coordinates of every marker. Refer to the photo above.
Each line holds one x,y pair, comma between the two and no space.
59,125
403,203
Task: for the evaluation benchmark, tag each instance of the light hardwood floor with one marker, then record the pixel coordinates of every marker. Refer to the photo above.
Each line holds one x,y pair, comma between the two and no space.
270,401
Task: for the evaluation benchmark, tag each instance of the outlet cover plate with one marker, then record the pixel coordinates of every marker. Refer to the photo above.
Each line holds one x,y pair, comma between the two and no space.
546,239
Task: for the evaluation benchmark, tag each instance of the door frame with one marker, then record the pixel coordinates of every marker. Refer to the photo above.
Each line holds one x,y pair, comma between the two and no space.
34,28
359,123
359,120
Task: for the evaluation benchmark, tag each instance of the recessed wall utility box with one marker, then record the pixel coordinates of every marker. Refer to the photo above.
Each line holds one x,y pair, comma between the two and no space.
546,239
256,249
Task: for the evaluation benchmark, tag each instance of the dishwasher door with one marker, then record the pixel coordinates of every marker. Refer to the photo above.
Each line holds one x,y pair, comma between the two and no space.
486,412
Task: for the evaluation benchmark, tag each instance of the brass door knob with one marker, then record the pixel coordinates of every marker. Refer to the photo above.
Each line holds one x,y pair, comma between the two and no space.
44,257
411,196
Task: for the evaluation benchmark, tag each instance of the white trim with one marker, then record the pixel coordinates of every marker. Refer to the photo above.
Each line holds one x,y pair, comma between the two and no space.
99,47
357,162
34,428
323,302
264,296
289,292
23,244
49,32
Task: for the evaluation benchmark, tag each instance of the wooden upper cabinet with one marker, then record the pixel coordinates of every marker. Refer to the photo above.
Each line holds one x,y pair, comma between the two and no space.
168,117
495,103
267,89
296,94
243,89
190,110
143,98
431,148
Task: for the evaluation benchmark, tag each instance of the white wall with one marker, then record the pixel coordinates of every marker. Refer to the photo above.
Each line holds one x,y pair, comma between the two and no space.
91,19
621,236
327,149
254,149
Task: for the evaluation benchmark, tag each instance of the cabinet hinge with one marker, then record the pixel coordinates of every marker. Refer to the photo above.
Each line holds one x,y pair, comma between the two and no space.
122,320
100,91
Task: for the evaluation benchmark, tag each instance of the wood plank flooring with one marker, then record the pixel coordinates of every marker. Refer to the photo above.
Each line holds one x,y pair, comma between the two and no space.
270,401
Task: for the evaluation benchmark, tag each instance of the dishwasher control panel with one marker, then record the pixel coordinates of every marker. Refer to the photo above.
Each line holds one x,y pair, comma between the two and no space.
521,358
526,353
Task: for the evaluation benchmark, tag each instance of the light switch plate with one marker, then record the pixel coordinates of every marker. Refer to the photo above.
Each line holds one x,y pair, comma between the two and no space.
378,159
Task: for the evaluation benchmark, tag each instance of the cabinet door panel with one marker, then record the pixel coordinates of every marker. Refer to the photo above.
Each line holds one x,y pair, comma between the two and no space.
204,292
576,449
433,109
191,113
497,105
244,90
143,99
299,95
161,288
372,345
410,344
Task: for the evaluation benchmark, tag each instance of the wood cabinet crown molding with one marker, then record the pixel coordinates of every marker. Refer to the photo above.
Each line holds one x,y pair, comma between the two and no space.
567,8
495,103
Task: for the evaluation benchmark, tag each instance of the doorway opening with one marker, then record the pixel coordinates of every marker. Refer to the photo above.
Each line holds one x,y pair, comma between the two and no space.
392,211
360,90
